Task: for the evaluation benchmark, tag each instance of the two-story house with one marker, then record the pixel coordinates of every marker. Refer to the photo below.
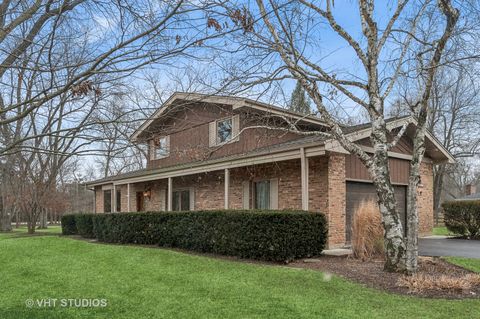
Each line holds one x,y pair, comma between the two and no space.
216,152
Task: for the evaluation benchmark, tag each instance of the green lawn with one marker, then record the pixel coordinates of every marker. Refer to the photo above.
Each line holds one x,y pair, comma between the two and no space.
469,263
156,283
441,231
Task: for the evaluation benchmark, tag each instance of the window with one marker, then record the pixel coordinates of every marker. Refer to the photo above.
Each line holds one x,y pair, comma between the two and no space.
118,199
161,148
224,131
181,200
262,195
107,201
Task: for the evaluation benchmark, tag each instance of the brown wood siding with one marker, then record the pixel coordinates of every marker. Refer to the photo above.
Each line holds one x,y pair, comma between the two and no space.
404,146
189,141
399,169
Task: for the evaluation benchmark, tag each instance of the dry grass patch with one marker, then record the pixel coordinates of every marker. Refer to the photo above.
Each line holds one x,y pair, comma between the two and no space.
422,282
447,281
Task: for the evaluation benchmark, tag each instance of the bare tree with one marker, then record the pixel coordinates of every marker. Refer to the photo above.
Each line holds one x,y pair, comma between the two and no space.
56,69
113,39
285,34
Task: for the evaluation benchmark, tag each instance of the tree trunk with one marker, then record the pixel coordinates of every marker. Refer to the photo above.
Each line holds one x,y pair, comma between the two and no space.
43,219
17,218
412,207
393,236
380,171
31,227
31,220
5,221
5,217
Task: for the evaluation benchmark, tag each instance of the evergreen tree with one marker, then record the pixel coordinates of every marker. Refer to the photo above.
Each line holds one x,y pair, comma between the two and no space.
299,101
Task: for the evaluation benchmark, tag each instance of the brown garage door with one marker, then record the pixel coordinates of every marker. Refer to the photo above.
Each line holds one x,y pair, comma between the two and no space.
358,192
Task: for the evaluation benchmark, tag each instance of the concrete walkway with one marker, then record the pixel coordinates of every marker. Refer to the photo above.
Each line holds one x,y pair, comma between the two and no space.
444,246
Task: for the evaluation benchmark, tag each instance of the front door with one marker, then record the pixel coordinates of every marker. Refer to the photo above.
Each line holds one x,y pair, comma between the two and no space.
140,202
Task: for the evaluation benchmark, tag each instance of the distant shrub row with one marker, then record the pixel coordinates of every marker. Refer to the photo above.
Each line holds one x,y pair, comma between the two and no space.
264,235
463,218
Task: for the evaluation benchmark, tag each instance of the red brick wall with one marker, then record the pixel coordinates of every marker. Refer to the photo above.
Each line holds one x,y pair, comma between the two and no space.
98,199
289,182
425,199
318,184
208,189
326,189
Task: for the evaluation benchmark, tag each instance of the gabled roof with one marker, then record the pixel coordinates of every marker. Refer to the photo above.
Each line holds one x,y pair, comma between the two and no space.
434,147
317,142
435,150
236,103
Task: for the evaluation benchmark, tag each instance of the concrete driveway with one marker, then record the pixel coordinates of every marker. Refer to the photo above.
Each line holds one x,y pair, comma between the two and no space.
437,246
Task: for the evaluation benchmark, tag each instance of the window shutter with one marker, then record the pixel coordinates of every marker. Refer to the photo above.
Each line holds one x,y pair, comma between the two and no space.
192,198
212,134
162,199
274,193
236,127
167,144
246,195
152,149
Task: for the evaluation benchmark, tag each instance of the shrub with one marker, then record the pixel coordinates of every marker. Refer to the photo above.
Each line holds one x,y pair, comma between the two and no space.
367,231
84,223
463,217
68,225
265,235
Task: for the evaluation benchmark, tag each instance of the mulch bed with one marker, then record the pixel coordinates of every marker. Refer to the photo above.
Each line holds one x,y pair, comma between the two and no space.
371,274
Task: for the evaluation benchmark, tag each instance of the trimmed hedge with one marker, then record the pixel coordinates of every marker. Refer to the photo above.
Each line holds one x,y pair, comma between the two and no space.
69,226
84,223
463,217
265,235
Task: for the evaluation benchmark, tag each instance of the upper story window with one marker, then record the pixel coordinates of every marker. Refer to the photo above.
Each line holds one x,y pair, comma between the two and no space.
224,131
160,147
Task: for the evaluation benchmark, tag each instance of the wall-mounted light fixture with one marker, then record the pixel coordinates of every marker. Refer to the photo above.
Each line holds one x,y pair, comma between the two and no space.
147,193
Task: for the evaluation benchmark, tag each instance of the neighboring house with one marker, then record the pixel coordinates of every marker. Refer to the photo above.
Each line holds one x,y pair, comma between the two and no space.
198,160
470,193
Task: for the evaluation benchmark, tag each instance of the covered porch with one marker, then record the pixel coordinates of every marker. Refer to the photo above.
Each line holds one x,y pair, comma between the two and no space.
301,179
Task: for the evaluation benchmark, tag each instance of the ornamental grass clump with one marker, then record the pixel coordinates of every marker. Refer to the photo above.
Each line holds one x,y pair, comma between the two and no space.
367,231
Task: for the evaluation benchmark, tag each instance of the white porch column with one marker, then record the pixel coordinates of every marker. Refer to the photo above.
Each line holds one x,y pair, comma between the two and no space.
128,197
227,186
114,199
304,178
170,194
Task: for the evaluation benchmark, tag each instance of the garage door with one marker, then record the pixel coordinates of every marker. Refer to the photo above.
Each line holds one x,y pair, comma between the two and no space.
358,192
